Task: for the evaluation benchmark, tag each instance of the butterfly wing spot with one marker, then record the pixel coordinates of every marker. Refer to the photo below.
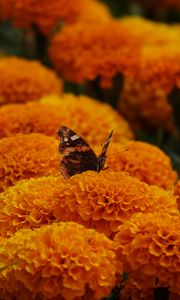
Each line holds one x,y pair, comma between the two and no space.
75,137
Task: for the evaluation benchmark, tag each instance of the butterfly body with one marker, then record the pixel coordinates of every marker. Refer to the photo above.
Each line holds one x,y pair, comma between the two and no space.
78,156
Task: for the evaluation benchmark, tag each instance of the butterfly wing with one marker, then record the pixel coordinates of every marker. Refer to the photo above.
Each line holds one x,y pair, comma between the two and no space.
77,157
102,156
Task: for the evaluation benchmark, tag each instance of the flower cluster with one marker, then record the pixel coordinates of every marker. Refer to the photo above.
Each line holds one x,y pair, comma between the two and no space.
22,80
77,113
30,203
165,76
145,108
148,245
133,157
89,52
177,193
145,97
59,261
46,16
26,156
43,14
101,201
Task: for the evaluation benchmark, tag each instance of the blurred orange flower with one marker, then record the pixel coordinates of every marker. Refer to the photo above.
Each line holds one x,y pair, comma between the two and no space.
144,100
47,15
86,52
58,261
22,80
101,201
152,33
26,156
148,245
145,108
144,161
81,114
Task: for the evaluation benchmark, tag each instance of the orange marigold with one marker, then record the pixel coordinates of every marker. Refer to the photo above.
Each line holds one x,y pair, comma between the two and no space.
48,15
145,108
59,261
148,245
45,14
177,193
22,80
78,113
144,100
26,156
101,201
144,161
86,52
152,33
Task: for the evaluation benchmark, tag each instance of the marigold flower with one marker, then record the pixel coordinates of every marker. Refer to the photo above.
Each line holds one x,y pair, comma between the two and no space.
58,261
144,161
148,245
152,33
101,201
22,80
47,15
89,52
177,193
26,156
44,14
145,108
144,100
75,112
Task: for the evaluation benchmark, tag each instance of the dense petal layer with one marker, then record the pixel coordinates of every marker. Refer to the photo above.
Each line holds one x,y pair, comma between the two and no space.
22,80
145,99
26,156
89,52
144,161
78,113
45,14
59,261
148,244
101,201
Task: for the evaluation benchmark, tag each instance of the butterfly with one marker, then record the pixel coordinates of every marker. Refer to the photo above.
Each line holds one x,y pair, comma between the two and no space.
78,156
